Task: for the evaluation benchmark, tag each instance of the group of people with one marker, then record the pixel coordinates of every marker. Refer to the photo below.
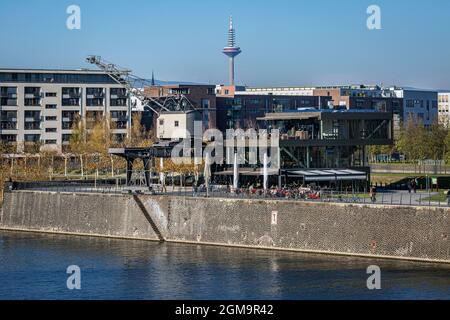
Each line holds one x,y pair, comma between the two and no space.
289,192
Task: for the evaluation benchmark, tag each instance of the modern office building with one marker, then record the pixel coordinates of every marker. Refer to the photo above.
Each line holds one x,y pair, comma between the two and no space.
418,104
403,102
40,106
328,147
313,139
325,147
242,111
444,108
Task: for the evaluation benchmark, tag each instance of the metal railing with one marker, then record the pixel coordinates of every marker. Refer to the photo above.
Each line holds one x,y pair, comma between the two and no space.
118,186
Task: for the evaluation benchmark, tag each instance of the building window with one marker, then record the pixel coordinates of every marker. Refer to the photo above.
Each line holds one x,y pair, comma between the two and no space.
70,96
184,91
95,97
210,91
8,96
434,104
32,96
32,120
50,129
161,122
32,137
8,120
50,94
50,118
118,97
8,137
66,137
50,106
52,141
177,123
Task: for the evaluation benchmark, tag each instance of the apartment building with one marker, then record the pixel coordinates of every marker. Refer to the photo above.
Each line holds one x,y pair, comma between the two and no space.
40,106
444,108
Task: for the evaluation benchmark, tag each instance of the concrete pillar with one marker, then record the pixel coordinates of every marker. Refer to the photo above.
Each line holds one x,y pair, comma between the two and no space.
129,170
307,158
147,172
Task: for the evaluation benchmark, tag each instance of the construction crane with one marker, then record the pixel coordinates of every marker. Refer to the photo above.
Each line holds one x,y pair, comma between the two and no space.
135,86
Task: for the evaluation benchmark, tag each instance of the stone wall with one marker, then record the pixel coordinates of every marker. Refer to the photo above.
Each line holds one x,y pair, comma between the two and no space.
91,214
416,233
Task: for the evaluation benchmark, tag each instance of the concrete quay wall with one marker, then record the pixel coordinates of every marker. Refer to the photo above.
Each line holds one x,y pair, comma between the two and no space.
398,232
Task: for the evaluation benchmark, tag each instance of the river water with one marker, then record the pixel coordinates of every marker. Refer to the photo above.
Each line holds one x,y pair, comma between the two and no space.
33,266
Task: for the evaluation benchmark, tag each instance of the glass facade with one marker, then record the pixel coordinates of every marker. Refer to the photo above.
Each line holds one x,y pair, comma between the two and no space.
242,111
39,77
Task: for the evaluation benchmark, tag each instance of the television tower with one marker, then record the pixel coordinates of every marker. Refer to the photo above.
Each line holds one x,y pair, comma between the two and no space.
231,50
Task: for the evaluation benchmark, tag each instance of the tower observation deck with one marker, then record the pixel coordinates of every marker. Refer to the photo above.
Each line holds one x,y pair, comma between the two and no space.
231,51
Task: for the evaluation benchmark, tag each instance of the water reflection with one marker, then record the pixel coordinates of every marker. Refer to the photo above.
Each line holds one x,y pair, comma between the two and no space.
32,266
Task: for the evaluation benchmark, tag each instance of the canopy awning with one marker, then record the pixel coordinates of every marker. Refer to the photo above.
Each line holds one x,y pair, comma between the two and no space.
248,172
327,175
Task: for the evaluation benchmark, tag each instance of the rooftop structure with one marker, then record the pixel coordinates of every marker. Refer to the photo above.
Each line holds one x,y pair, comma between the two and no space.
231,50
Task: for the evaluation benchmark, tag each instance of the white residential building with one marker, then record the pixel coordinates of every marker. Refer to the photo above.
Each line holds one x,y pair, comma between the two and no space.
444,108
40,106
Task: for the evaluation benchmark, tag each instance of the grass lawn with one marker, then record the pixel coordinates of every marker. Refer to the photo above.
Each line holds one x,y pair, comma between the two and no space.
381,177
441,196
388,177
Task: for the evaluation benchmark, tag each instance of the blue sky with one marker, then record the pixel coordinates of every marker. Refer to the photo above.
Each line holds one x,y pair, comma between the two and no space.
284,42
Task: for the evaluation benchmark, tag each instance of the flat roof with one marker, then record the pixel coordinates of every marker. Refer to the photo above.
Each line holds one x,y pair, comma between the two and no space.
313,175
327,114
248,172
80,71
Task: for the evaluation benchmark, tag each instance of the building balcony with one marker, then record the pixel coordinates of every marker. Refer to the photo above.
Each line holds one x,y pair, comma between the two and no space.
67,125
100,95
8,102
9,125
70,102
119,118
9,95
118,102
119,125
33,125
33,96
95,102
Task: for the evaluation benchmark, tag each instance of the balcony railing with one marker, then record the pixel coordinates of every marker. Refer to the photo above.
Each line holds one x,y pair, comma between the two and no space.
96,102
32,101
67,125
32,125
9,95
70,102
95,95
9,125
8,102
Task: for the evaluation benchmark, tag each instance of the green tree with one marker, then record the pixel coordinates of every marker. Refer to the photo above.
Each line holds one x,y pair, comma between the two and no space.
77,142
138,135
436,144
